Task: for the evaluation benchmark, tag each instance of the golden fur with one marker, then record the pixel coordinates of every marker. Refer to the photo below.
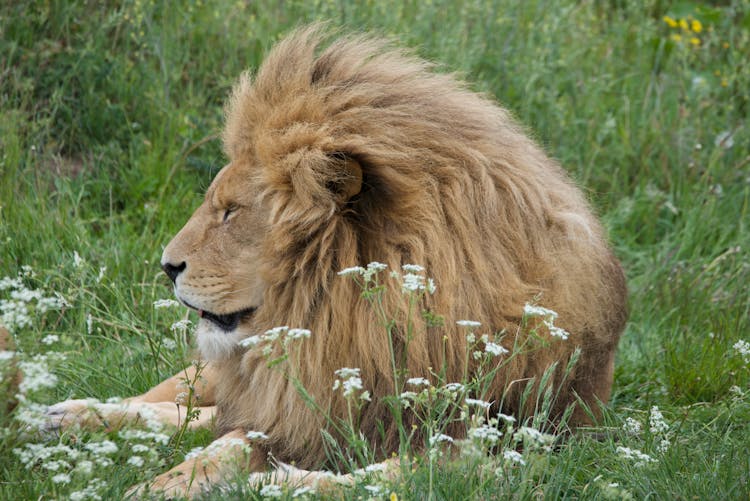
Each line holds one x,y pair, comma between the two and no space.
356,152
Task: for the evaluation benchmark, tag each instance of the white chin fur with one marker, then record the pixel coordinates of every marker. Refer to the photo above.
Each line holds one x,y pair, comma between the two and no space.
214,343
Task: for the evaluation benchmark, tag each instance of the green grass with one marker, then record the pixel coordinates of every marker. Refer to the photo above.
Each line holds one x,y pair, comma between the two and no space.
108,124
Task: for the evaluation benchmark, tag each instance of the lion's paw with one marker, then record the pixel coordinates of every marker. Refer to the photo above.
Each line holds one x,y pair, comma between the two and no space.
72,413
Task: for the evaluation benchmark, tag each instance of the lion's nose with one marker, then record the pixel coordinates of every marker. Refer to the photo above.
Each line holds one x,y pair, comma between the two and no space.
173,270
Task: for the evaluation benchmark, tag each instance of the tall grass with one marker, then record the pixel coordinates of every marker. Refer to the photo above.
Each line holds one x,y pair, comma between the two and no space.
108,124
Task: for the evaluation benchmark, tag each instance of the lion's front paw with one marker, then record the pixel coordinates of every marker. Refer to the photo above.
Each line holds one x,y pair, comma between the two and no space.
174,484
70,413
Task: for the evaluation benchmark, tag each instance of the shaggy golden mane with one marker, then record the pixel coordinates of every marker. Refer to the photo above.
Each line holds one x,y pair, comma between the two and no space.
449,182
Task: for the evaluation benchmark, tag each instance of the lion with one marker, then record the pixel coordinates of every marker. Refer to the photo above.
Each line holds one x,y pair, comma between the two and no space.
351,151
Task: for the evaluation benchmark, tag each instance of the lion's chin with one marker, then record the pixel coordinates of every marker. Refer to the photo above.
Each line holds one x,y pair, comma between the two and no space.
215,343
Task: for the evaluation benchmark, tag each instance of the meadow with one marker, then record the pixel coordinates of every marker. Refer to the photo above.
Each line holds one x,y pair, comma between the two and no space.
109,134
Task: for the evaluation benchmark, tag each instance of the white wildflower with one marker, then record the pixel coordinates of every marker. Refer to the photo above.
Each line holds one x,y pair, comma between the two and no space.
724,139
350,381
374,490
354,270
36,375
453,387
102,448
271,491
548,319
412,268
479,403
440,437
508,419
412,283
375,468
77,260
180,325
10,283
165,303
431,287
657,424
100,276
639,457
418,381
632,426
743,348
558,332
495,349
136,461
84,467
275,333
468,323
50,339
663,445
513,457
372,269
168,343
256,435
56,465
250,342
533,438
140,448
6,355
347,372
486,433
89,323
61,478
303,491
297,333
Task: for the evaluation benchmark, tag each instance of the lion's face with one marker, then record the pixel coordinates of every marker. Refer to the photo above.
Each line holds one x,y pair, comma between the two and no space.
213,261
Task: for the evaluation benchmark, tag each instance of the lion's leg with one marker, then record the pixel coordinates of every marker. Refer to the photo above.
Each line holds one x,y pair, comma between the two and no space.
593,383
159,405
325,481
207,469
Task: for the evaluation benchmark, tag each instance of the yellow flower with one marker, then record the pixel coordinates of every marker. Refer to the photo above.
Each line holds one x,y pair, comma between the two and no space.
696,26
394,496
677,38
684,24
724,82
670,22
725,45
695,40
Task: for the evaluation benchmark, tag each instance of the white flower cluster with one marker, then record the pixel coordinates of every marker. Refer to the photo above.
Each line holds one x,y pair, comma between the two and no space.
181,325
743,348
632,426
640,458
485,433
548,319
18,311
36,374
165,303
412,281
366,273
531,438
513,457
440,438
350,382
283,332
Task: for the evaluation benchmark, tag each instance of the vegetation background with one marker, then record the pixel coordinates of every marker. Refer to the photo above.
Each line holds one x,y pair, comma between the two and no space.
109,114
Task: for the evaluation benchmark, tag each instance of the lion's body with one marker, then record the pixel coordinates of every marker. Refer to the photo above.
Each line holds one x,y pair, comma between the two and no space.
360,153
448,182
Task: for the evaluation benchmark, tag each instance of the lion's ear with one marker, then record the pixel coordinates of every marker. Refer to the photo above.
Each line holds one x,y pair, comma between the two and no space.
347,181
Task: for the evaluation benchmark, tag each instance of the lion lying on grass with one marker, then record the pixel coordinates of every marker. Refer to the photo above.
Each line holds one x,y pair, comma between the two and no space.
351,153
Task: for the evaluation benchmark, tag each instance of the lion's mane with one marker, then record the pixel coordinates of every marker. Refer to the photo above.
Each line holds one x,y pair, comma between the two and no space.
450,182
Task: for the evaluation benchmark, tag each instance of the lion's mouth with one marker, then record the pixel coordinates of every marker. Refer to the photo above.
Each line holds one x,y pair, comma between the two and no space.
226,321
229,321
